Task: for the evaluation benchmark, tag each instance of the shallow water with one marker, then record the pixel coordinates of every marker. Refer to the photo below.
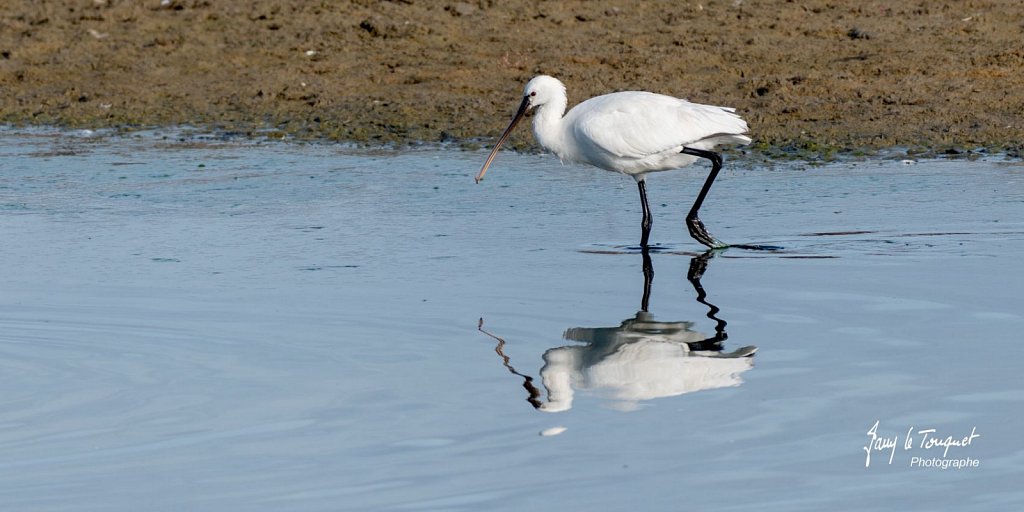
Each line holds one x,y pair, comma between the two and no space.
207,326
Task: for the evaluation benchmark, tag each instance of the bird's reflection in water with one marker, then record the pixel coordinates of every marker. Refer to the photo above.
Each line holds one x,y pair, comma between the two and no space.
641,359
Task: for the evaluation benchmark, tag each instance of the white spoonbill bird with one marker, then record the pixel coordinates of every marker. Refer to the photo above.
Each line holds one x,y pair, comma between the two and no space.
633,133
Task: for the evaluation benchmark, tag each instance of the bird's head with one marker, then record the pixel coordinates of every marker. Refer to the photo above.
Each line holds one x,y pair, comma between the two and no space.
541,90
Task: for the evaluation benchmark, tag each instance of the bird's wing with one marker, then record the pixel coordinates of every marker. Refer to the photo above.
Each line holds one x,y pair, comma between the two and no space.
638,124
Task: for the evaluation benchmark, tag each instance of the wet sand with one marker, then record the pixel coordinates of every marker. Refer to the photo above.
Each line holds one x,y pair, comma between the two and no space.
812,77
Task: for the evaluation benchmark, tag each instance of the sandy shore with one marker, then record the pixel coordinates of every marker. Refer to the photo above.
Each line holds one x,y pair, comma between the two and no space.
812,77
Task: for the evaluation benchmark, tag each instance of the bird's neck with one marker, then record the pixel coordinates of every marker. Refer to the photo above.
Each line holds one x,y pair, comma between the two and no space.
548,128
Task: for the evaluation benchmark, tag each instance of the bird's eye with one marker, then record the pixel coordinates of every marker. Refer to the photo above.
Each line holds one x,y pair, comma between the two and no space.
533,93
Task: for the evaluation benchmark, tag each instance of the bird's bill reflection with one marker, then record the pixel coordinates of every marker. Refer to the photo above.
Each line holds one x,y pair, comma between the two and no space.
523,107
534,393
641,359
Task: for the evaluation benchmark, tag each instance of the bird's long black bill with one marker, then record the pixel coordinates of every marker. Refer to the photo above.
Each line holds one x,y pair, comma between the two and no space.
508,131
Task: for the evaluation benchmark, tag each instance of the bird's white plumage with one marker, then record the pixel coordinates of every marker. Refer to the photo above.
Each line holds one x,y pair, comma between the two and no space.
630,132
640,124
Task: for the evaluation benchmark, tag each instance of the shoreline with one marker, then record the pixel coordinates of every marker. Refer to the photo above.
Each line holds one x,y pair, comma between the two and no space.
192,136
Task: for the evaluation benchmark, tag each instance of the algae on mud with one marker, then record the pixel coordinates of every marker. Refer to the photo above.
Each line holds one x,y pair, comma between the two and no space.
816,75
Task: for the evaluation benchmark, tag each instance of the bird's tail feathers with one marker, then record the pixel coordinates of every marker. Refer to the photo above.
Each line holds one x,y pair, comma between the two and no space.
730,127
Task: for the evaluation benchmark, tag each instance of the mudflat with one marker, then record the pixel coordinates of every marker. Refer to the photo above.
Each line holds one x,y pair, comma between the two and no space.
812,77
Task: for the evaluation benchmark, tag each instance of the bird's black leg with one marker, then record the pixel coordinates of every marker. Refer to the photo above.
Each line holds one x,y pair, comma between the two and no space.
648,221
648,279
693,223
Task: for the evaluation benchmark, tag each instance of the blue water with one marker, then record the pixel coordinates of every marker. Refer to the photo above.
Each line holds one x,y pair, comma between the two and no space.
207,325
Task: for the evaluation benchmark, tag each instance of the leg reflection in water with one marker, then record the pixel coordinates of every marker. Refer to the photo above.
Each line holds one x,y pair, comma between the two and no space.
641,358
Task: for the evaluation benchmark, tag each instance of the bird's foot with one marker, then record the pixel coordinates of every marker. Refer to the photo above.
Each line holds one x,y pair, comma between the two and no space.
700,233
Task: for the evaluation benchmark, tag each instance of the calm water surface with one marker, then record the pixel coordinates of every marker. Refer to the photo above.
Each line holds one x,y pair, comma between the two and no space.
210,326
